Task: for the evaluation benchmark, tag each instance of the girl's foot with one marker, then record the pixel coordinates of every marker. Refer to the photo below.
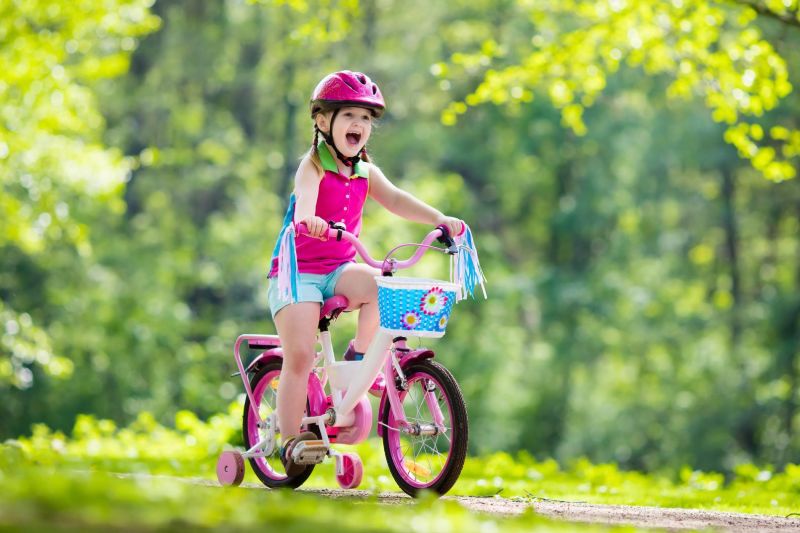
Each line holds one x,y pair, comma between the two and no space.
377,387
351,354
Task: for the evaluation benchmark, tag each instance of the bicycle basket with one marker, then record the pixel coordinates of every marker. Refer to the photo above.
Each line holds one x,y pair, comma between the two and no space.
415,306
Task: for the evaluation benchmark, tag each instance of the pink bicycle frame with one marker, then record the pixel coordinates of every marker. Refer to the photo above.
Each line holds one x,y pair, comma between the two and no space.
316,395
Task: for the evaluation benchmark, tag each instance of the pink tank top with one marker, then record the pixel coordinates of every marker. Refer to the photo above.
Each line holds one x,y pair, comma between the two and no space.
340,199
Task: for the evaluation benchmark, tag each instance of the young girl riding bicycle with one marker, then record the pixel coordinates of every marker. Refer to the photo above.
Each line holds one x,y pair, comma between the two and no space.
332,183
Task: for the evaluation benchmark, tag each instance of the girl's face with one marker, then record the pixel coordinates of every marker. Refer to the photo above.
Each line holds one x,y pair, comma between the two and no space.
351,129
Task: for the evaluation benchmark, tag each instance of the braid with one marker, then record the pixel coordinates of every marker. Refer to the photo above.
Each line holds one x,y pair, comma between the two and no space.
316,139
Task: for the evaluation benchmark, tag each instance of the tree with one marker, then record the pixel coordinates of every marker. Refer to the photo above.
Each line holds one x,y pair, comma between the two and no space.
54,168
708,49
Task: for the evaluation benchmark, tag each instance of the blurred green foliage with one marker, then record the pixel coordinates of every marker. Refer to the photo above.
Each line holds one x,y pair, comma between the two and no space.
175,467
644,304
709,50
45,497
56,174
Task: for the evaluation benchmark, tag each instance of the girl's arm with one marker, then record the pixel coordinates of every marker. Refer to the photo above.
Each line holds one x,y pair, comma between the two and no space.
405,204
306,188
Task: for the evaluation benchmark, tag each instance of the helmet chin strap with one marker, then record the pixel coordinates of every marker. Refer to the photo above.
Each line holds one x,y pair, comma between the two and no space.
348,161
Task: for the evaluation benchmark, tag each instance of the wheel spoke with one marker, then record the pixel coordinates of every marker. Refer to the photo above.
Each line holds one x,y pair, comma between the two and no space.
268,404
265,395
424,449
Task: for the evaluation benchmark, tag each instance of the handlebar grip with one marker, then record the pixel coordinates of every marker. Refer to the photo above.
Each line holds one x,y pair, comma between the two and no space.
446,232
331,233
446,239
302,229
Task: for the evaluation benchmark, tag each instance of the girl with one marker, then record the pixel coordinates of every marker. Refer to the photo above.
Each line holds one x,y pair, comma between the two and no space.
331,184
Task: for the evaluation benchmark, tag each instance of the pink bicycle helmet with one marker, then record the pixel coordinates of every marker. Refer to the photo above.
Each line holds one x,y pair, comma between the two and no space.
347,88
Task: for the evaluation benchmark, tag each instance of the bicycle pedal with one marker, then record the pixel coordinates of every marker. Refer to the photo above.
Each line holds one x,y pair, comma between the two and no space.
309,452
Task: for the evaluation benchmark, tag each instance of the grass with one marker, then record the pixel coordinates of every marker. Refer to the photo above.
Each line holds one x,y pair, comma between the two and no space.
50,480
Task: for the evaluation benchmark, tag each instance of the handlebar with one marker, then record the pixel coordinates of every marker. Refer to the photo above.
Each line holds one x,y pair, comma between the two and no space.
390,264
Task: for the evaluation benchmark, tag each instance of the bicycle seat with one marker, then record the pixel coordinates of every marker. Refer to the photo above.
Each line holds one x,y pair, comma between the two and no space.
333,306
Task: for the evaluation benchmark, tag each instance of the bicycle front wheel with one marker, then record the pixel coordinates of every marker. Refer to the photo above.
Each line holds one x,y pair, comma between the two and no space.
430,460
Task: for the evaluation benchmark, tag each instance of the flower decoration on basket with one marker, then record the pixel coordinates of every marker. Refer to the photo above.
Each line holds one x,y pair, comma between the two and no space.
443,322
433,301
411,320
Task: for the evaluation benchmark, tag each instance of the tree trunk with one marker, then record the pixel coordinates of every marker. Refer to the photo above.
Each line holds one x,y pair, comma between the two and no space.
793,356
729,223
746,430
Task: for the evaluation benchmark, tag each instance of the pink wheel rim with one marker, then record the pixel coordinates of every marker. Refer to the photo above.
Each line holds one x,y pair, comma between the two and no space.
353,471
419,460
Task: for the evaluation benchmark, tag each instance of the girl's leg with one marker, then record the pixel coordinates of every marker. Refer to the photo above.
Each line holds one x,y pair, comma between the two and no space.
357,283
297,328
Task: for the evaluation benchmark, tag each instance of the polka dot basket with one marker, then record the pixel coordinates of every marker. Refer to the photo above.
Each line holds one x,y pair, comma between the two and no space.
415,307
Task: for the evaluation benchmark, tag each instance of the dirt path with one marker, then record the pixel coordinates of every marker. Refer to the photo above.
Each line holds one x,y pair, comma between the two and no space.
649,517
660,517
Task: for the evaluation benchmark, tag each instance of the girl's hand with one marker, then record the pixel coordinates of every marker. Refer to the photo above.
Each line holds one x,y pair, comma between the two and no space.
317,227
454,225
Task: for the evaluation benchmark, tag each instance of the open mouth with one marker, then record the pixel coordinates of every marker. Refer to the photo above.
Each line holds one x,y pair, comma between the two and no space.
353,138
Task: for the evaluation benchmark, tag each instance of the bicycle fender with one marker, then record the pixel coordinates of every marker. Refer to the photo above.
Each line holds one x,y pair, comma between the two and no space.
414,356
405,361
264,358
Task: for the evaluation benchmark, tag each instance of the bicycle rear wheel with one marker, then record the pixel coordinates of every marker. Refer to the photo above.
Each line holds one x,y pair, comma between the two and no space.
433,461
269,470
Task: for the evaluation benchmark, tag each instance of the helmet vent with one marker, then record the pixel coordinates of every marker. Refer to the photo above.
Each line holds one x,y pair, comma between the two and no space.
374,89
362,79
348,84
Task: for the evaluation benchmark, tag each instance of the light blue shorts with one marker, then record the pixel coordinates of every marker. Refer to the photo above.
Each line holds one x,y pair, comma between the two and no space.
312,288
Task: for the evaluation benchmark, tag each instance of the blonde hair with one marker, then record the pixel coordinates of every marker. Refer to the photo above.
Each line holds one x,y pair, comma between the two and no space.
313,155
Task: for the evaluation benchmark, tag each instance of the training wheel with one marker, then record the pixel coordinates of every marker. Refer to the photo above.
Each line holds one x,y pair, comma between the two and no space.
230,468
352,471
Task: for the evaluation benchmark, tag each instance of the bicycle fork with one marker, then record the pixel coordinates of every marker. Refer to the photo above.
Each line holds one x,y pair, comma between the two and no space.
393,363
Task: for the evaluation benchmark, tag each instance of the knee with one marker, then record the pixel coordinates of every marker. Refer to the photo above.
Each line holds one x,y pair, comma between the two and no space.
363,295
298,361
370,290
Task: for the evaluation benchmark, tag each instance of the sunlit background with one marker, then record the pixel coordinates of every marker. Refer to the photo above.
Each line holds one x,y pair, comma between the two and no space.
627,167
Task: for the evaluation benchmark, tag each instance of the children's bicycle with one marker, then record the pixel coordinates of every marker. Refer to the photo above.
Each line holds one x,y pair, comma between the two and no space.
422,417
